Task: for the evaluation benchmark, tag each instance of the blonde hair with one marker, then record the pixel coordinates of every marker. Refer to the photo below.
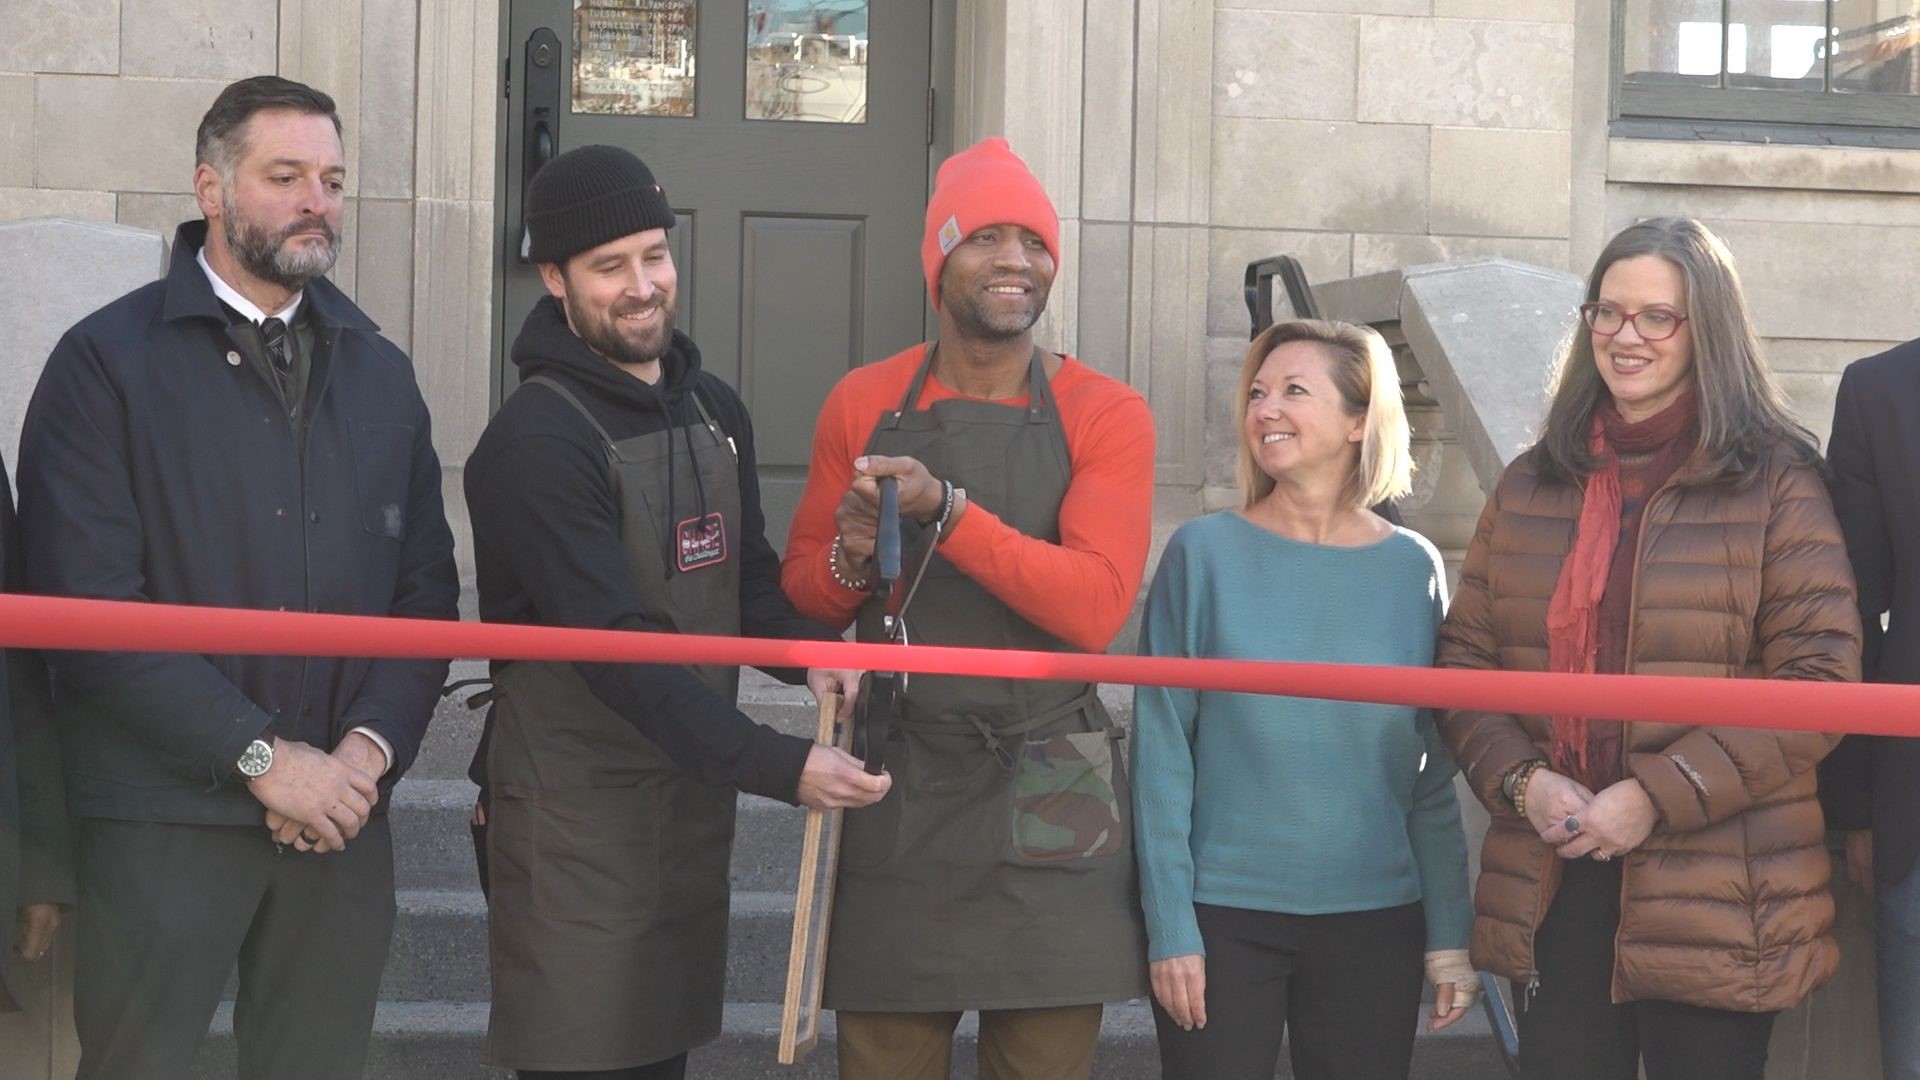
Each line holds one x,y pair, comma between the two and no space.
1363,371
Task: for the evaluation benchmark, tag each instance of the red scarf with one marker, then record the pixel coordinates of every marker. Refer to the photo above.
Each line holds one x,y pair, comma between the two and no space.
1573,615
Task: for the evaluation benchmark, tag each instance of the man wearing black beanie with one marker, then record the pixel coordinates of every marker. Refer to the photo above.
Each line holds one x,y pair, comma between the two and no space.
616,489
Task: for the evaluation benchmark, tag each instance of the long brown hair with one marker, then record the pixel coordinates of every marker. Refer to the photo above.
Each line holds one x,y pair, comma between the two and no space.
1742,409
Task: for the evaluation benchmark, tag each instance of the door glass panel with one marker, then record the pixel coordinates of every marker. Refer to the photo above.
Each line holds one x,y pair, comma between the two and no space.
633,57
807,60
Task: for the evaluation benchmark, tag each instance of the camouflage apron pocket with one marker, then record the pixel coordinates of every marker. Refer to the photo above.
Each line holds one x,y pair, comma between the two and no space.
1065,804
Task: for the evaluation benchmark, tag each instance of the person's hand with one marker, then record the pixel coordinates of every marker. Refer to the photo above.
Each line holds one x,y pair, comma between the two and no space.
922,496
1860,859
824,681
858,522
328,797
1180,986
1618,820
38,924
1551,799
1456,986
362,753
836,780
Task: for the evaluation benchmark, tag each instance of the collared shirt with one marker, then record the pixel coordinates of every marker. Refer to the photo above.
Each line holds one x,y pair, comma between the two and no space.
231,297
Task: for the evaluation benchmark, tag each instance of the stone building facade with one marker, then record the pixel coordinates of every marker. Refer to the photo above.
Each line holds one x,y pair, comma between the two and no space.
1180,139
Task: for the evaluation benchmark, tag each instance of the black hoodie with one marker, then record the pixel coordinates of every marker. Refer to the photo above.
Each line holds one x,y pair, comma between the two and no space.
547,549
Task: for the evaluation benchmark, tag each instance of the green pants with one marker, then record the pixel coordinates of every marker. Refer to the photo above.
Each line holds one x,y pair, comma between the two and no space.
1015,1044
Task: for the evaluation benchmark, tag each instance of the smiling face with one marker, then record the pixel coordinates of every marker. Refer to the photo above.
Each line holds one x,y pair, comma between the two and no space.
1644,376
620,297
995,284
1296,418
278,211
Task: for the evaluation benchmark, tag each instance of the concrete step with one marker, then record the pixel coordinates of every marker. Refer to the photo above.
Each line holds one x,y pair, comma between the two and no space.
439,950
433,846
433,1041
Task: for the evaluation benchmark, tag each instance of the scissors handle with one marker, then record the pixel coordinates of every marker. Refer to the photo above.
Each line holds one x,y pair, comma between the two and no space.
886,546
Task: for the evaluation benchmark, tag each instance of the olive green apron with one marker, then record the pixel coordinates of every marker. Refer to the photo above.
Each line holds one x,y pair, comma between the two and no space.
998,871
608,864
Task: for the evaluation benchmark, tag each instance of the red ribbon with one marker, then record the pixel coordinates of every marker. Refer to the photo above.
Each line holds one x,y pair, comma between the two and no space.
41,622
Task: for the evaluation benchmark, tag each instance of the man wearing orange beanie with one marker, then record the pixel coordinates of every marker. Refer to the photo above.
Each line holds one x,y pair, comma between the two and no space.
997,875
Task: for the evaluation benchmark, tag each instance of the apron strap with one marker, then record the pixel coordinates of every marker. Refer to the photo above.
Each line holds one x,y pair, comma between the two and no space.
1040,403
993,737
605,439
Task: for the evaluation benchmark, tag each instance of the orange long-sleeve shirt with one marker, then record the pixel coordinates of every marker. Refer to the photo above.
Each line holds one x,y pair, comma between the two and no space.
1080,589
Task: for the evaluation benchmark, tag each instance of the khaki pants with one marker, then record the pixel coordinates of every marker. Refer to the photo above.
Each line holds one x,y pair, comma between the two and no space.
1015,1044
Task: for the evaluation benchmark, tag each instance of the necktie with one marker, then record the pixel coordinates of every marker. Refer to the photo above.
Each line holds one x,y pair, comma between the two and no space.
274,332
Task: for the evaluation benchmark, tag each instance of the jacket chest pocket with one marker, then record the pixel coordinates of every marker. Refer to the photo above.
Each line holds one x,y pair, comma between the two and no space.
382,461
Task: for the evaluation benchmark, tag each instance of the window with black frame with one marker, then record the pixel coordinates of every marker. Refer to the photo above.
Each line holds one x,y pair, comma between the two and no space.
1827,65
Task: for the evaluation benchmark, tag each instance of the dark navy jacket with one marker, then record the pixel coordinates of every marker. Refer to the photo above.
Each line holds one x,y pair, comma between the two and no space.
1873,458
156,464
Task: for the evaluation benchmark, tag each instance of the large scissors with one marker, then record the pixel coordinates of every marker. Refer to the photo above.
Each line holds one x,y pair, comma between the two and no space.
881,692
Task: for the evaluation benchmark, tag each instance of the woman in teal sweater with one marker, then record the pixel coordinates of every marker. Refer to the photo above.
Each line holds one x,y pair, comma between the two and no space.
1299,858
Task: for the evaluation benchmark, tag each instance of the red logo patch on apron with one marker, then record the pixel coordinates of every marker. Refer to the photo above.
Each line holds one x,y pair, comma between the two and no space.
702,541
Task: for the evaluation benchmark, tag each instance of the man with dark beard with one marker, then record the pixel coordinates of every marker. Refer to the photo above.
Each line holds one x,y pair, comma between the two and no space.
237,434
998,874
616,490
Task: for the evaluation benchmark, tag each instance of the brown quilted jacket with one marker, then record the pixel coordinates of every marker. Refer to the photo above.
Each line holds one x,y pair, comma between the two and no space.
1726,904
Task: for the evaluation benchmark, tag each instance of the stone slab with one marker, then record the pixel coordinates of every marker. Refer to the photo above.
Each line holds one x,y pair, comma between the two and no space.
1374,252
1490,182
80,37
149,125
58,271
207,39
1486,332
1466,72
162,213
1285,65
1338,177
1757,165
1326,256
16,130
18,203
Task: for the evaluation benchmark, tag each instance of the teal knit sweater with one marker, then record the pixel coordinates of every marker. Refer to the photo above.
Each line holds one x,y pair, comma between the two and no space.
1285,804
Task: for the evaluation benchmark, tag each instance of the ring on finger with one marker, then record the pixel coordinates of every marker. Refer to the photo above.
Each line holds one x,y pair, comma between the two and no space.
1572,825
1601,856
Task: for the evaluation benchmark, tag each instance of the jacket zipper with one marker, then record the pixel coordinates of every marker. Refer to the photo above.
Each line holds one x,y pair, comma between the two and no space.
1626,727
1540,905
302,434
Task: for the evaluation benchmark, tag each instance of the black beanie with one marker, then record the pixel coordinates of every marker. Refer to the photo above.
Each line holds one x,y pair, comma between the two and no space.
588,196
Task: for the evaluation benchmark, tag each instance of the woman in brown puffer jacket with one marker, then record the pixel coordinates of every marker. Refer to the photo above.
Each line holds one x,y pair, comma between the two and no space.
1655,891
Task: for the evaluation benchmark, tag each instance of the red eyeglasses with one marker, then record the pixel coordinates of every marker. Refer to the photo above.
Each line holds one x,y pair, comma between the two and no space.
1652,324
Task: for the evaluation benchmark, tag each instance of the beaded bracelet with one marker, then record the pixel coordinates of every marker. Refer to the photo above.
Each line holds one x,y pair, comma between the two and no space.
836,558
1523,777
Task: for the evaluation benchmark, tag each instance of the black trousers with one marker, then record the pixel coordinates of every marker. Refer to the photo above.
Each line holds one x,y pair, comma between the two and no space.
167,911
674,1068
1570,1029
1343,989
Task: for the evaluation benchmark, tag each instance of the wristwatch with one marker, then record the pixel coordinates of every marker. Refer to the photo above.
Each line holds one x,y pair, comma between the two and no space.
256,759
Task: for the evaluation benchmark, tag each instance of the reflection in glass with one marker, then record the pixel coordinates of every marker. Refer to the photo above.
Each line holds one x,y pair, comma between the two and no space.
1677,43
1876,46
807,60
633,57
1774,44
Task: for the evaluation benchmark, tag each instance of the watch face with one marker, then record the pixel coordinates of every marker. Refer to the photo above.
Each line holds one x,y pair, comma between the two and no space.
255,759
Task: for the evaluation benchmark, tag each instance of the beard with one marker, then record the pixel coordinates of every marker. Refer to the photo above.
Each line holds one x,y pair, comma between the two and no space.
970,313
604,334
264,252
